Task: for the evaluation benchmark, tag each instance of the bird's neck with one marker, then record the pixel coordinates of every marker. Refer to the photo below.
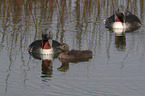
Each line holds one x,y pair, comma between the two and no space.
46,44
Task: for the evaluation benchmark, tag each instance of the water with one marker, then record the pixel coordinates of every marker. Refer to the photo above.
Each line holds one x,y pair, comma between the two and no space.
116,69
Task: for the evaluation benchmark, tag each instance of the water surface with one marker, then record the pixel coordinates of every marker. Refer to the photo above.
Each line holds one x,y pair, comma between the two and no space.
116,69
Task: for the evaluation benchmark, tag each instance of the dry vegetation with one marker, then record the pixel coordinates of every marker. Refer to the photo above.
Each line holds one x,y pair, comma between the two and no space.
21,18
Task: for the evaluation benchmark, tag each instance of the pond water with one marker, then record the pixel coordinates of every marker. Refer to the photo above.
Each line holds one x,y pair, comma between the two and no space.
116,69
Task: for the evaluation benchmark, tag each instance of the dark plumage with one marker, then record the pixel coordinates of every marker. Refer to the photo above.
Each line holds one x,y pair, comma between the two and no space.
121,15
35,47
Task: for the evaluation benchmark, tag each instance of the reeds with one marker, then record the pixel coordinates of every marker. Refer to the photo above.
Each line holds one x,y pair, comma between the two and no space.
29,8
21,19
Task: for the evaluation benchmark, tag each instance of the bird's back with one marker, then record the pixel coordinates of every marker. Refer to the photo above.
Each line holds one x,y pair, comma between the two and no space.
77,55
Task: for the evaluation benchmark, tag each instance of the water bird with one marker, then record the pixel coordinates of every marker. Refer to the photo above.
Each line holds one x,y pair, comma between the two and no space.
74,55
44,47
123,20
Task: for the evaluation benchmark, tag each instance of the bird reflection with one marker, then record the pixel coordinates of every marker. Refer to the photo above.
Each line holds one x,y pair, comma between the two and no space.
120,40
65,63
47,68
47,65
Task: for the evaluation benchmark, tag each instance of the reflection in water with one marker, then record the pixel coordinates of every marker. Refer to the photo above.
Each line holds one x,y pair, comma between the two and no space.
120,42
47,65
47,68
22,21
65,63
